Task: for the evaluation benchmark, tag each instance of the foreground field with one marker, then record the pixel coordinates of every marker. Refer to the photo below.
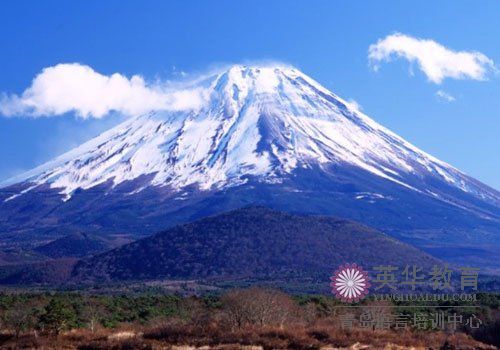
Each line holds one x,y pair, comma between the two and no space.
318,336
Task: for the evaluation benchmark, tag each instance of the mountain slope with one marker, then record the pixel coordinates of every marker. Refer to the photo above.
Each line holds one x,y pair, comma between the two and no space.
252,242
266,135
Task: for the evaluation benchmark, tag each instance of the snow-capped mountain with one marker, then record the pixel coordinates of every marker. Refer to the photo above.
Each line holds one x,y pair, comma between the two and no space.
262,121
266,134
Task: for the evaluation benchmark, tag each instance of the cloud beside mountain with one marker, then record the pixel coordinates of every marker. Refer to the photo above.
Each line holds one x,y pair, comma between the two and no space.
73,87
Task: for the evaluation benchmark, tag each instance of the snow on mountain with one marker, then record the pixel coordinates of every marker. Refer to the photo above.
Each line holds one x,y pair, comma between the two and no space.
261,121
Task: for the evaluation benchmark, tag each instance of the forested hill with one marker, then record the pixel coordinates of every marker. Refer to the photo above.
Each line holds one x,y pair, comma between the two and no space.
250,242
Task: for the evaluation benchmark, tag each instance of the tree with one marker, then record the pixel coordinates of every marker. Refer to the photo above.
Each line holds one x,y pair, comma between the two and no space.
58,316
257,306
236,305
93,311
19,317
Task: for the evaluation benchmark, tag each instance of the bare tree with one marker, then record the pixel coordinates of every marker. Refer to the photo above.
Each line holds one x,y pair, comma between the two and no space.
93,312
257,306
236,305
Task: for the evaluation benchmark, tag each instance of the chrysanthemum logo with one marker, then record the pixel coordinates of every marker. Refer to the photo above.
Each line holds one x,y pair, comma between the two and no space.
350,283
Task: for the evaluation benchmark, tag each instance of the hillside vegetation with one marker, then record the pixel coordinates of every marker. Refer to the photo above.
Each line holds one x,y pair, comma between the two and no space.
248,243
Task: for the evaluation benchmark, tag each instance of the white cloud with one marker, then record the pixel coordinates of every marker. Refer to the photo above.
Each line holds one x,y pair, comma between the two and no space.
444,96
78,88
353,104
435,60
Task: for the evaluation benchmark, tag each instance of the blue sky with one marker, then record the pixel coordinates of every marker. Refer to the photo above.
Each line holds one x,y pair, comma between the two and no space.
327,40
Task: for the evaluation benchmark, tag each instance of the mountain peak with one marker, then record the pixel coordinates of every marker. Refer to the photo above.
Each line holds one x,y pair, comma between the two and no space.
260,121
240,81
262,79
256,68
